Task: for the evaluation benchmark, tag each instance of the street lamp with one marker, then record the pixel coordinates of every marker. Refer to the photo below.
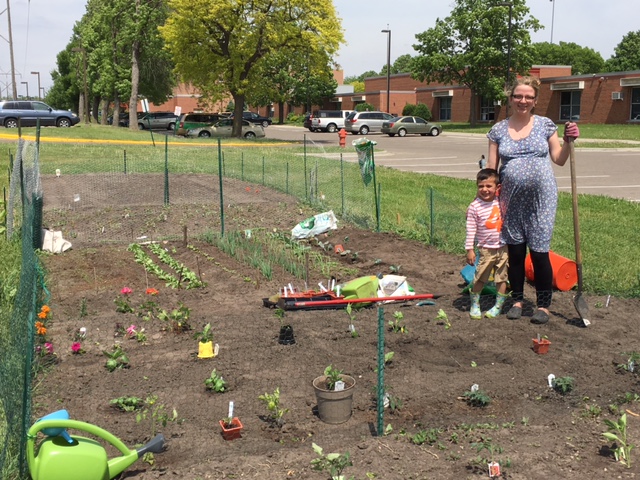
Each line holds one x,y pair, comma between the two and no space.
38,74
553,11
27,85
388,32
508,78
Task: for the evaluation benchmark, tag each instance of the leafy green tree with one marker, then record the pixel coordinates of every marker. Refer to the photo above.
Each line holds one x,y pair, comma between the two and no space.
401,65
470,47
582,59
64,92
364,107
409,109
223,47
358,86
626,55
422,111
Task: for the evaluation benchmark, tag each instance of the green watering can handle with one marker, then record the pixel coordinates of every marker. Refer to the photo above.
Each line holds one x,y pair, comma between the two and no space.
77,425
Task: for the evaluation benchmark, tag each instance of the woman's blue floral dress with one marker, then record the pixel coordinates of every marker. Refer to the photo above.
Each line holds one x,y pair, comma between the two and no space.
529,194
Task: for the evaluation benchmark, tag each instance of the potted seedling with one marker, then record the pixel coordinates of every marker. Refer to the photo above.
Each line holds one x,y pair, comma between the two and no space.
541,345
285,336
205,342
231,426
334,394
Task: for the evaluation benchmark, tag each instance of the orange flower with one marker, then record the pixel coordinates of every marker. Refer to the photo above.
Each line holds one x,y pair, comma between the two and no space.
40,328
151,291
45,309
42,315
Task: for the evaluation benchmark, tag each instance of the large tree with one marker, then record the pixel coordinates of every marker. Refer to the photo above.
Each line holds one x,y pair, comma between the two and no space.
220,46
626,55
582,59
471,47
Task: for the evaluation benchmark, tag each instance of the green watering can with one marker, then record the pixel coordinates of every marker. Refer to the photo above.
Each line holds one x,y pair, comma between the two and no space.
65,457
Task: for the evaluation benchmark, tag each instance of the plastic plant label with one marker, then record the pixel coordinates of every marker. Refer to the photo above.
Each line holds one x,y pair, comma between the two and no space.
550,379
76,197
494,469
230,409
386,400
339,386
352,329
216,349
475,387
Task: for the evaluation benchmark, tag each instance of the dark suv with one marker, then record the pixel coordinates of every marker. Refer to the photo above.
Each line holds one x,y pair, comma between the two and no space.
255,118
27,114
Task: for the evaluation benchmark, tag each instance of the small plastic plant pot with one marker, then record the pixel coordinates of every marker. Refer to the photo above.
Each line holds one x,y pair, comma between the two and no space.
233,430
541,346
286,335
205,350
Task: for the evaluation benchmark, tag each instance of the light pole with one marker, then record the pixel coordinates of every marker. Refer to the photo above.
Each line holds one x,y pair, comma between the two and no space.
388,32
38,74
42,92
27,85
553,12
508,76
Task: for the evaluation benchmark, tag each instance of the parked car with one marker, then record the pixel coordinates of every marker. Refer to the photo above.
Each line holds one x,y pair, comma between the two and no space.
123,120
329,120
191,121
306,123
255,118
158,120
402,126
27,114
365,122
224,128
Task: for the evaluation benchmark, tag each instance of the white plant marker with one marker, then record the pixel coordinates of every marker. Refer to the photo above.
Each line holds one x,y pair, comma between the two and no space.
475,387
216,349
230,409
550,379
338,386
494,470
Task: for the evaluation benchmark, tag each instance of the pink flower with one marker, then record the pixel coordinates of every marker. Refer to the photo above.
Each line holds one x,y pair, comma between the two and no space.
126,291
49,347
131,330
76,347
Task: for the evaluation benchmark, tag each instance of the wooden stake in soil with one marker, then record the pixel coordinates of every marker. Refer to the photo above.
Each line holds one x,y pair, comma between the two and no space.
95,279
198,265
184,236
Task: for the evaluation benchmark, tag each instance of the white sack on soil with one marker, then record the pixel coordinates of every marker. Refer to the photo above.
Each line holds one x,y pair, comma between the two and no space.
320,223
53,242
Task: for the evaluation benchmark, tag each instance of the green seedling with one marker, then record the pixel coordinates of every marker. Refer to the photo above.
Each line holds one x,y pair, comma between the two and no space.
443,319
205,335
352,317
397,324
618,433
426,436
332,463
178,318
127,404
215,382
563,385
632,361
272,402
117,359
333,375
154,413
477,398
83,307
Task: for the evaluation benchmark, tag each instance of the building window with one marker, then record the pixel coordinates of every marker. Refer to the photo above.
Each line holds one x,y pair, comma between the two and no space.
635,104
570,105
445,108
487,110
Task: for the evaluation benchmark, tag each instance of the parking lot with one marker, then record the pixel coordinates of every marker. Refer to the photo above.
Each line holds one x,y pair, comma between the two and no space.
611,172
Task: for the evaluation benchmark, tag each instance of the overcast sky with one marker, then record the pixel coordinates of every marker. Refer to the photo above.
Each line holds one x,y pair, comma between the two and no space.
42,28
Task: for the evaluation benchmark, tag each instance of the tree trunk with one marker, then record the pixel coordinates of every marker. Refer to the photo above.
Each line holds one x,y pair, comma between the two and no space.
95,108
135,80
238,108
81,106
281,114
104,109
116,111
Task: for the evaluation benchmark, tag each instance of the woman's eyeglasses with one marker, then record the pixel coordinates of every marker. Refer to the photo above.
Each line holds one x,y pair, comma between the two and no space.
528,98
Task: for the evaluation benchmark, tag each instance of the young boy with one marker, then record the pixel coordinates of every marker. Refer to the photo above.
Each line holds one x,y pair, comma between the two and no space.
483,226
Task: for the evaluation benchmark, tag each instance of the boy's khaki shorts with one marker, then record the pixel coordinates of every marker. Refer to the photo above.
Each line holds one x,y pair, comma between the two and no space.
492,260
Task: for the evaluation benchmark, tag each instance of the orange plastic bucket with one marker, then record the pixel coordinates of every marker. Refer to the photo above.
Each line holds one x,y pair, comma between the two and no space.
565,271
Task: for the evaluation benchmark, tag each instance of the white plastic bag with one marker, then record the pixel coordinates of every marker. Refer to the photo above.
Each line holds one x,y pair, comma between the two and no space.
320,223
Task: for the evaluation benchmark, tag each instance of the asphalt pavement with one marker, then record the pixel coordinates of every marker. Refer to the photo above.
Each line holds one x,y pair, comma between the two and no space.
613,172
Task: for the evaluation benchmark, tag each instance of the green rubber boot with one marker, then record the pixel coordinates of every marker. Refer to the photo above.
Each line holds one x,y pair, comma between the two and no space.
475,312
497,308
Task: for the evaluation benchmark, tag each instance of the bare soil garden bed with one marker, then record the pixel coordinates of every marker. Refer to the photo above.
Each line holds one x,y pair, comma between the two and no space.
532,430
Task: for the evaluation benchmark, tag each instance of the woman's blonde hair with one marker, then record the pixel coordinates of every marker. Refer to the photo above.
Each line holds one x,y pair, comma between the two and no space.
532,82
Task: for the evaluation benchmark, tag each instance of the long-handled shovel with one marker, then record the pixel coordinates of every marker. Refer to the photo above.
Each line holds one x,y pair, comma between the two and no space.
579,302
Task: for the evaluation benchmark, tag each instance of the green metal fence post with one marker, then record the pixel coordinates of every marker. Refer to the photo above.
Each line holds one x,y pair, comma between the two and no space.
221,194
431,215
166,170
263,184
287,180
342,181
375,190
380,389
242,166
304,156
125,161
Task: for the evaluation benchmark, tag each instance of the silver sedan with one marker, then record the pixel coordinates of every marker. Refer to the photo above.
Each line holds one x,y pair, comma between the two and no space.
224,128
